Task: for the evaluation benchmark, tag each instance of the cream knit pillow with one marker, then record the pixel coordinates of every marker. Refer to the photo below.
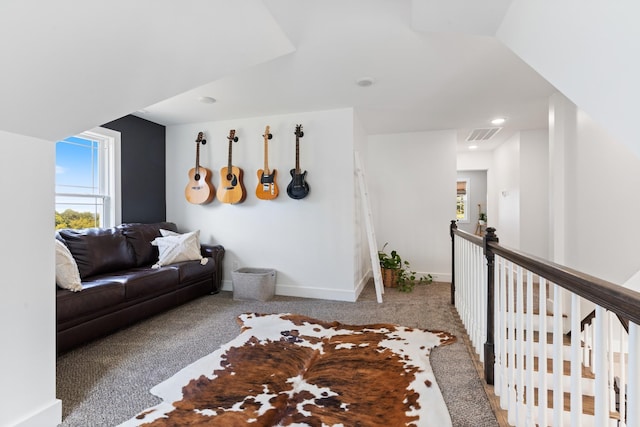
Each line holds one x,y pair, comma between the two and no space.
67,274
174,247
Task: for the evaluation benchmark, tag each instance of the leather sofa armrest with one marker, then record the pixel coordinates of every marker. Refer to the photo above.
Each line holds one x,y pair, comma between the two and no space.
217,253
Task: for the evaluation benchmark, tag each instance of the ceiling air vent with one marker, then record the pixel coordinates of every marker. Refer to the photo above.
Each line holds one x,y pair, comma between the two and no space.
482,134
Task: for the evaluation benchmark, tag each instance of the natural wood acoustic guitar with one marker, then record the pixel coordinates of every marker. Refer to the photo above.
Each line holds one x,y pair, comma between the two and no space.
267,188
231,189
298,188
199,190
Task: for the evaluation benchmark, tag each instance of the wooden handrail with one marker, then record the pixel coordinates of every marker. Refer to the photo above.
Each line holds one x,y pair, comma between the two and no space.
622,301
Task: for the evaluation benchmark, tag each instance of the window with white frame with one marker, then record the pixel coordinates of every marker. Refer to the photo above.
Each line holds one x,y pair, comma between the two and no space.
87,180
462,200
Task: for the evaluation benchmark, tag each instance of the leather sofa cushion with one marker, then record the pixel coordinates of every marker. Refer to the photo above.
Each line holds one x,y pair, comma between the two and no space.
98,250
96,295
146,282
191,272
140,237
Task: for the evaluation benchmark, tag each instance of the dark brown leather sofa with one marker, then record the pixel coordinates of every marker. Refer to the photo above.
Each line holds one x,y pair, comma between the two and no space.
119,285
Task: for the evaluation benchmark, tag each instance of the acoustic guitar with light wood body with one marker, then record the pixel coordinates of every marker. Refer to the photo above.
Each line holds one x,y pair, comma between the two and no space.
231,189
267,188
199,190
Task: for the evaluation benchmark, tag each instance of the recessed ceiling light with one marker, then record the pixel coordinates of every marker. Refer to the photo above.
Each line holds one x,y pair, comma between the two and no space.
207,100
498,121
365,81
473,147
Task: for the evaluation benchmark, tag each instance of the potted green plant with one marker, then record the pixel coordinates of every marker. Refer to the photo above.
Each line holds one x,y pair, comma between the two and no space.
397,273
482,218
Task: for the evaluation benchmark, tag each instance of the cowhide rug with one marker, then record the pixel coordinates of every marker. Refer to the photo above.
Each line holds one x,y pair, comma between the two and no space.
291,370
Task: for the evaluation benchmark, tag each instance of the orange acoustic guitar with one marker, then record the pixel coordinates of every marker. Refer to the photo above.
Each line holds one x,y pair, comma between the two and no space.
231,189
199,190
267,188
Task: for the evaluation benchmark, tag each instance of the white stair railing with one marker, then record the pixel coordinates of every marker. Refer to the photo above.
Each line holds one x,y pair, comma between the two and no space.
540,358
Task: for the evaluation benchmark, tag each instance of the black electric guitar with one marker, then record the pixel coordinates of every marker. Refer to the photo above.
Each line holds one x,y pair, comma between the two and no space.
199,190
231,189
298,188
267,188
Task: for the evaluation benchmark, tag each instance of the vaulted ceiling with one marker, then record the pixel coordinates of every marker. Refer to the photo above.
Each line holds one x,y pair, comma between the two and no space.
69,66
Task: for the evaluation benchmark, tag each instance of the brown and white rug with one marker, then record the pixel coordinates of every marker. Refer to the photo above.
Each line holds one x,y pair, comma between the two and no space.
292,370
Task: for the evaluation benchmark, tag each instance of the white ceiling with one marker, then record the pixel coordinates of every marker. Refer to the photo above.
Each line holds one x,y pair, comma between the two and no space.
433,63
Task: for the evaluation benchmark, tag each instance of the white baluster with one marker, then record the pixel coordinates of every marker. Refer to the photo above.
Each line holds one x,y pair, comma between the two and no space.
600,362
576,363
542,356
558,387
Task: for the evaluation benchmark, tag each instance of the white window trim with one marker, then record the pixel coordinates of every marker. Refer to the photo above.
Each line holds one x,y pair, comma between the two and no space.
111,141
466,219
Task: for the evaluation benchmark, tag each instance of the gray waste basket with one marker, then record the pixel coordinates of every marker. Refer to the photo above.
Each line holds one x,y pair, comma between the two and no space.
257,284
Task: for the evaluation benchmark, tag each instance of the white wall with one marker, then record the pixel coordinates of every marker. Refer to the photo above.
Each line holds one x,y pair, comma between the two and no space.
534,192
362,261
588,51
506,191
412,181
519,185
604,240
27,306
310,242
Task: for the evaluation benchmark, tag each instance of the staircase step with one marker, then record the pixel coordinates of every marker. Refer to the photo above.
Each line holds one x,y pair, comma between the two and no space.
588,404
588,378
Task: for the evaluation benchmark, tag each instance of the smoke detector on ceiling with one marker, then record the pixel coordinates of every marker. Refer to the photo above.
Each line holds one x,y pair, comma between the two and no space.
482,134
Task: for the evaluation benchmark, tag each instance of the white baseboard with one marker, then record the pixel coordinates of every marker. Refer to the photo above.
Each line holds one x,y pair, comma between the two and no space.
49,416
306,292
330,293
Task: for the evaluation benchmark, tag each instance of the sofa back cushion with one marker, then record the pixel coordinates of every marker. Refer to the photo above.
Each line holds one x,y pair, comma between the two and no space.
99,250
140,237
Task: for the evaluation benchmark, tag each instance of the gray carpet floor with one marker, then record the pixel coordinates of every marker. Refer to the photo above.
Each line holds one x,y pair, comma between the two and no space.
107,381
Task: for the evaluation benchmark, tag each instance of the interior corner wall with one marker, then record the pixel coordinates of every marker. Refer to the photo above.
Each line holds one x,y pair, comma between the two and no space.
309,242
587,51
412,181
27,306
506,191
603,241
142,169
534,194
363,267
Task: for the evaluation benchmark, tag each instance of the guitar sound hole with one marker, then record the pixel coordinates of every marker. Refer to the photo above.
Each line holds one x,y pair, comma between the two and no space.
229,177
197,177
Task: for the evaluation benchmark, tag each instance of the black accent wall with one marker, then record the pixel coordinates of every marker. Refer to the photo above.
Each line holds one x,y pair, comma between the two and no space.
143,175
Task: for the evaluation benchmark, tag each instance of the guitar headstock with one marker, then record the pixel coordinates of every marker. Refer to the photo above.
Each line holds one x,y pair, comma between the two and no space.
267,135
299,132
232,136
200,138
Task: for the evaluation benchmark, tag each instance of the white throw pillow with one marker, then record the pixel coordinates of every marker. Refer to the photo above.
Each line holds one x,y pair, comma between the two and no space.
67,274
174,247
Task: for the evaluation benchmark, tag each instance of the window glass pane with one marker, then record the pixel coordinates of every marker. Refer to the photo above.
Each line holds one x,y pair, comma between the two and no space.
77,166
82,188
78,212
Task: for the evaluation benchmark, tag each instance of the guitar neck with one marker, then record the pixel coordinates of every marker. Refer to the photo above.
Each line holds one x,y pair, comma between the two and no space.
297,154
266,157
229,164
198,158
